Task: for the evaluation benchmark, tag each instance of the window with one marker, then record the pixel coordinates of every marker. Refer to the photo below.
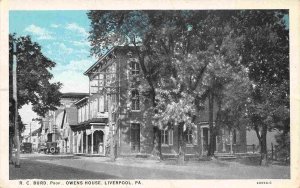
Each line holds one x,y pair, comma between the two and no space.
101,104
135,100
101,81
167,137
170,137
79,115
113,71
234,136
164,137
189,136
135,68
108,76
94,85
106,103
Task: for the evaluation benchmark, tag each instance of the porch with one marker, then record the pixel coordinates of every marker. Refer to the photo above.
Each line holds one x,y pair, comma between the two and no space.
90,139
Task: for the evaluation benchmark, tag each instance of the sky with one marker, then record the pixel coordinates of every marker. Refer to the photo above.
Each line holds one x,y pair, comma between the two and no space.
63,38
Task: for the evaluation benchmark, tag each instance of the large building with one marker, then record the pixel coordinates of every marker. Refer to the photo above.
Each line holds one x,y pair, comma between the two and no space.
116,108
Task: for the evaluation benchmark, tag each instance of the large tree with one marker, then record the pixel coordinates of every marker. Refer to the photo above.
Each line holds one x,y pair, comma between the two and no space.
188,57
175,49
266,55
33,79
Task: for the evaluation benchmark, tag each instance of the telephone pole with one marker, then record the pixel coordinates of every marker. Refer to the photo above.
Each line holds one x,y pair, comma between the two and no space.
17,139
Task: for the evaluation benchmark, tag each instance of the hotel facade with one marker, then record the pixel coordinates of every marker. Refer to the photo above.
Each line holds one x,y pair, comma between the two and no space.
116,112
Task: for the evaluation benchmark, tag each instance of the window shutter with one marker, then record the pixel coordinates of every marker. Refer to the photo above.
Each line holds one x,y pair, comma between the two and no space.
170,137
101,104
195,136
238,140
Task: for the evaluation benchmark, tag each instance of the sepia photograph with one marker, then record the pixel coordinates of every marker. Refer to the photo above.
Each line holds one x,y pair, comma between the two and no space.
149,94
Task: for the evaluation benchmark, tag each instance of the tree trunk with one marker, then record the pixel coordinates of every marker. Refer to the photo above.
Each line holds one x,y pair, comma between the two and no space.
263,149
211,124
262,138
156,151
181,145
112,147
10,147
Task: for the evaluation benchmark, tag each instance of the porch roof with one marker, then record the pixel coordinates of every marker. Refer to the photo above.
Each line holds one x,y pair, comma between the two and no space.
87,124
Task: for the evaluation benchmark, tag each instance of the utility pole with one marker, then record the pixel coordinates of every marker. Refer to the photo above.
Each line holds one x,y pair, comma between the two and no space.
17,139
111,128
30,132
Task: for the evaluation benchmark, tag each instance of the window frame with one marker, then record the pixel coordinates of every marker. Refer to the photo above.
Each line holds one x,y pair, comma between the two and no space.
189,137
135,100
134,67
167,133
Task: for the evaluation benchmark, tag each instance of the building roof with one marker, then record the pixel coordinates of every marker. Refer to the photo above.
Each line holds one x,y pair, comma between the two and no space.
74,95
37,131
81,100
99,60
106,54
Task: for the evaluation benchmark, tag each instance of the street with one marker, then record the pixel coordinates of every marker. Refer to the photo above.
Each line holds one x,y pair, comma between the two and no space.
41,166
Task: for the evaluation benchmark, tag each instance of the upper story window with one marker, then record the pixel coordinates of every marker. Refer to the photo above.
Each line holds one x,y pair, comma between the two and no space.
108,75
135,68
101,81
101,104
135,100
94,87
106,103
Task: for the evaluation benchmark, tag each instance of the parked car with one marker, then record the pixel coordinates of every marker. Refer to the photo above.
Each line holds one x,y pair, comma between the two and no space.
42,148
51,147
26,147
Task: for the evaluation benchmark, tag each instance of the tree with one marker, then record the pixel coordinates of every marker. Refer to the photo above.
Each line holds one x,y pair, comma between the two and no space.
33,79
174,49
265,53
188,57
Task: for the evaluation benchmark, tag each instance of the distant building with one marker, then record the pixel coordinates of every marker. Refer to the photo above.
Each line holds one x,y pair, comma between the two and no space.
56,122
35,139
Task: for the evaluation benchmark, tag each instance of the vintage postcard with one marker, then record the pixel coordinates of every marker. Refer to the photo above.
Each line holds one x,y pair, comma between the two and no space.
149,94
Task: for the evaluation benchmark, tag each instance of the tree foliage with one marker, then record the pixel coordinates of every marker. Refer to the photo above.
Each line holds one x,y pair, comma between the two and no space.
33,77
266,55
237,59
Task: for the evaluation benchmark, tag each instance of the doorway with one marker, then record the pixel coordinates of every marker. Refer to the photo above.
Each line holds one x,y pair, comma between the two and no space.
98,142
135,137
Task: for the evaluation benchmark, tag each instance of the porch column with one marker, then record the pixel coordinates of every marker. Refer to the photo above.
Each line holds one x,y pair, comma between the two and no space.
86,143
216,150
104,141
81,141
230,137
92,141
76,142
201,134
73,142
223,140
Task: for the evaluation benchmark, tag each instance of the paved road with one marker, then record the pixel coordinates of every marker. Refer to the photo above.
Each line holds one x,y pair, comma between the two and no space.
31,169
79,167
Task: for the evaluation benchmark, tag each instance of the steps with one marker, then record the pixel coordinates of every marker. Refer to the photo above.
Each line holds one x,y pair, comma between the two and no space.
225,156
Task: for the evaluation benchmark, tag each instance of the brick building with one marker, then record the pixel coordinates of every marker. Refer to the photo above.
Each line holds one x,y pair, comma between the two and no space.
116,108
